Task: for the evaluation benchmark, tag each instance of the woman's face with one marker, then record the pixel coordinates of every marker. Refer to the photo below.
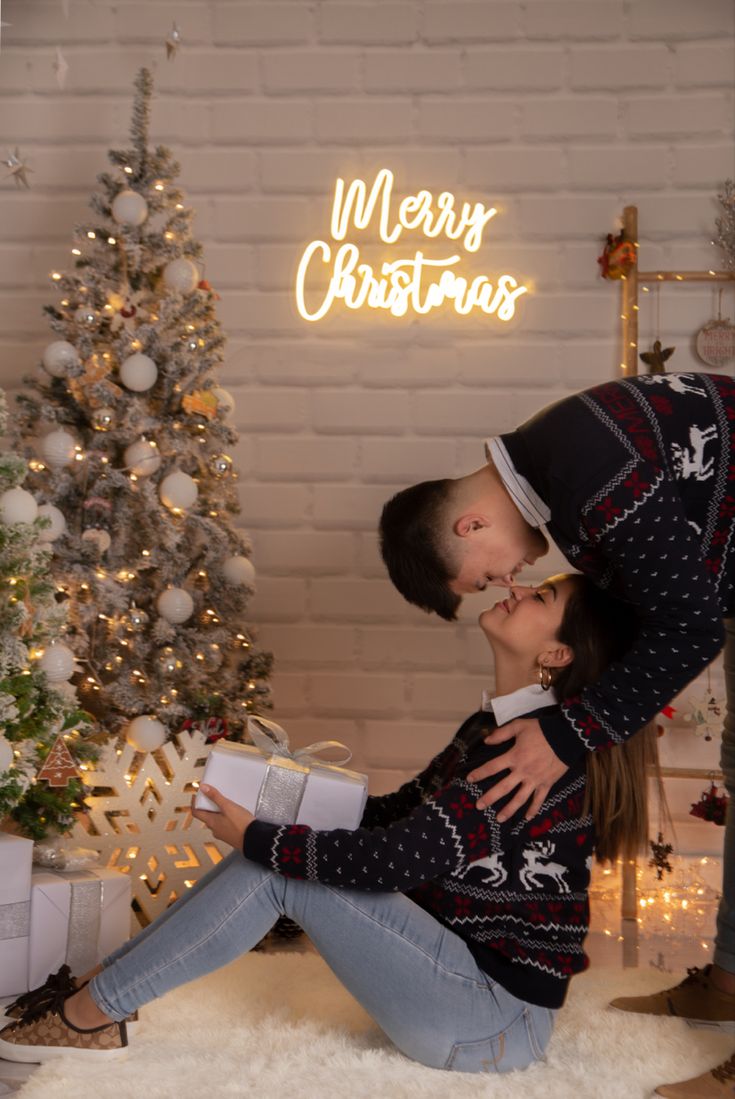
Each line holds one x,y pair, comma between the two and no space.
526,623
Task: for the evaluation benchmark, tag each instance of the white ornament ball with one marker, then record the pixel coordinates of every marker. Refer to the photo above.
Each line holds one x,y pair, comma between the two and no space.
145,733
58,663
239,570
58,523
129,208
58,448
178,490
59,357
6,754
225,400
175,605
142,458
182,275
18,506
138,372
99,538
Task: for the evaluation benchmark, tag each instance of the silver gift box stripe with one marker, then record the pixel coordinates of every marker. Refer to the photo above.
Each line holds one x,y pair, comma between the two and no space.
15,920
282,791
85,915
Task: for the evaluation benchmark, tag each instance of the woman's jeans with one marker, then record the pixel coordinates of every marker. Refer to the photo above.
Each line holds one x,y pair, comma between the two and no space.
724,954
416,978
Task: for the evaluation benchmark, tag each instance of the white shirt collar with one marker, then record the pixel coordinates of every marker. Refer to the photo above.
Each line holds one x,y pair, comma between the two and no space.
522,493
517,703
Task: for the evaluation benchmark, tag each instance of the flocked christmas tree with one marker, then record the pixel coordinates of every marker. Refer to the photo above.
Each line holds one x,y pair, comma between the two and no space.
127,433
38,719
726,224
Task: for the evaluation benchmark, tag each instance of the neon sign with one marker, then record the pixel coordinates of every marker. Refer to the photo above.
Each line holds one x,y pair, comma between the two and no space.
414,284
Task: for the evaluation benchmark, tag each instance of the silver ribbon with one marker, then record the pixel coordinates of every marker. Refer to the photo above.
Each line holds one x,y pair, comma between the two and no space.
85,917
15,920
282,789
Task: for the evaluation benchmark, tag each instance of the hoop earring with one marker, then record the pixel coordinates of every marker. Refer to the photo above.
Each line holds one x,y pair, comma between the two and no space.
544,677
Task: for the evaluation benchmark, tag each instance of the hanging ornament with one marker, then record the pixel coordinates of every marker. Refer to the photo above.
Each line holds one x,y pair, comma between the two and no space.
98,538
87,316
6,754
206,288
129,208
715,341
58,523
18,168
213,728
173,42
96,374
181,275
239,570
135,621
102,419
201,403
60,357
618,256
659,860
142,458
705,712
59,767
220,465
657,357
57,662
17,506
711,806
175,605
178,490
145,733
169,662
225,400
58,448
138,372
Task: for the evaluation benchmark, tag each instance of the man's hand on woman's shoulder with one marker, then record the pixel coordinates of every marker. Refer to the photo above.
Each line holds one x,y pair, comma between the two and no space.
533,765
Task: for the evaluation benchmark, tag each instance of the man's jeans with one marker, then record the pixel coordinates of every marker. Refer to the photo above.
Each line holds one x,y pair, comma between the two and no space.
724,954
416,978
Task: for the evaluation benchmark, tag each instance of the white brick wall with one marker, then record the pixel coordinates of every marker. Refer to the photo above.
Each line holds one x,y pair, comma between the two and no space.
556,111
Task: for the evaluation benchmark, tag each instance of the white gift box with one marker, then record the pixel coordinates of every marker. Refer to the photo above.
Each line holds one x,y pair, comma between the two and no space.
16,856
283,790
77,917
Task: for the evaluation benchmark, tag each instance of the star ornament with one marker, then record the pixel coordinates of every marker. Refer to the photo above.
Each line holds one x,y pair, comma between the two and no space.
18,168
173,41
656,358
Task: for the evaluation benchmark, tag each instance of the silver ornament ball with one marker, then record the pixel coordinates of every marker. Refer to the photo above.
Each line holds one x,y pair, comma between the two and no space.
221,465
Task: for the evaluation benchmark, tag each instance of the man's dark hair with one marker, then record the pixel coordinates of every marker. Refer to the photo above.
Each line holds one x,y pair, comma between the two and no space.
412,538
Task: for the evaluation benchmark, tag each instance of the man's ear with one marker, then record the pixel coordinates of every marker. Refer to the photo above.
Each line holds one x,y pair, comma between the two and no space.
468,523
557,657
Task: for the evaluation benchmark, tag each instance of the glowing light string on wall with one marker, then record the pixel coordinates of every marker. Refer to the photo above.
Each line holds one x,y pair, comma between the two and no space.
413,284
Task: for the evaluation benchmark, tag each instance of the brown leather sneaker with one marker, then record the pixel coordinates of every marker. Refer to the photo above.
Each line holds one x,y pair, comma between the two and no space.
61,981
695,999
719,1083
45,1033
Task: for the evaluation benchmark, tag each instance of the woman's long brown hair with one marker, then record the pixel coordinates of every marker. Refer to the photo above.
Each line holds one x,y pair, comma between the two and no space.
600,629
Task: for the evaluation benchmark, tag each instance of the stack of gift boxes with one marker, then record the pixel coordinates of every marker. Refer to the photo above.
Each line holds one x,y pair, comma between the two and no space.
49,917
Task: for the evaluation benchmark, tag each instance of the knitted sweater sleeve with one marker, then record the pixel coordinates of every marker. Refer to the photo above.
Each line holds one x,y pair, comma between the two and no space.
644,537
383,810
441,836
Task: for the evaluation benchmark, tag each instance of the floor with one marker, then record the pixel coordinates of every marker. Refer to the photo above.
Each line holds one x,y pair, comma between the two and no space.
674,928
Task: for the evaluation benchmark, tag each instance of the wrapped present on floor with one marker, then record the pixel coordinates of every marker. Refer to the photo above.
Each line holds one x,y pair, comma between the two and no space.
285,787
16,855
77,918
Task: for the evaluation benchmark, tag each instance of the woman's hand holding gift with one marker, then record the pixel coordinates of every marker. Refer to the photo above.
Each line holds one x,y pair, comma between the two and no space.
230,824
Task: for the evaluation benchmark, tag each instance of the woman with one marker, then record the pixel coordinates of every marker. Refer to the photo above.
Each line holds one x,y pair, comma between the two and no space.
458,934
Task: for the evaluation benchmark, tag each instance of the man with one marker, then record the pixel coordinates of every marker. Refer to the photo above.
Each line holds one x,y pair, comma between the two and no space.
634,480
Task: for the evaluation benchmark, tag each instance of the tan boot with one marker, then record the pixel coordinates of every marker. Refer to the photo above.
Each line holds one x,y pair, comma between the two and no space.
719,1083
695,1000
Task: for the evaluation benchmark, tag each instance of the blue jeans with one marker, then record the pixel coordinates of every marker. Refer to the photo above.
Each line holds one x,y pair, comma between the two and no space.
416,978
724,954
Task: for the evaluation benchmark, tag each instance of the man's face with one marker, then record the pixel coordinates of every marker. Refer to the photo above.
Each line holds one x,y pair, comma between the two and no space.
496,552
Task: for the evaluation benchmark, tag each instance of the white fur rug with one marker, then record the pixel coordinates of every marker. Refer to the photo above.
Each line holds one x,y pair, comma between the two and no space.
282,1025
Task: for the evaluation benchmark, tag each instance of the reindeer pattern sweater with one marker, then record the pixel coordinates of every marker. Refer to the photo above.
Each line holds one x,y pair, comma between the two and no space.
635,482
516,892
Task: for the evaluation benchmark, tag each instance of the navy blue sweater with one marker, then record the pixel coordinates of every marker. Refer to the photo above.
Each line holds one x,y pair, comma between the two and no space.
639,477
515,892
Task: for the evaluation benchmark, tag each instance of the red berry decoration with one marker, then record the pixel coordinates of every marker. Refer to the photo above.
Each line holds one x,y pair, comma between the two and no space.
711,806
